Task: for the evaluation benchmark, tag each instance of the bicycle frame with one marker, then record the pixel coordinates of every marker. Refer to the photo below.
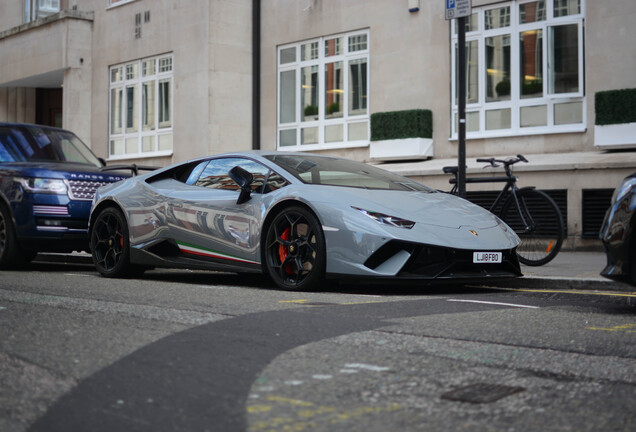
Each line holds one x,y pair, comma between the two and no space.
511,186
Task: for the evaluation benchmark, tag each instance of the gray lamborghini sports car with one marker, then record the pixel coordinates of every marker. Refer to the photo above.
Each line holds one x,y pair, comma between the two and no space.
299,218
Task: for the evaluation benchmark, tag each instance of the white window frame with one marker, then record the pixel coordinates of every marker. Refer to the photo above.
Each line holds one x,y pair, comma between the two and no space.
35,9
139,134
347,118
115,3
516,103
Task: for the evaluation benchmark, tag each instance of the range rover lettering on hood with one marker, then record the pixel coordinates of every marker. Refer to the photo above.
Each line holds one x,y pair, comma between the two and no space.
95,177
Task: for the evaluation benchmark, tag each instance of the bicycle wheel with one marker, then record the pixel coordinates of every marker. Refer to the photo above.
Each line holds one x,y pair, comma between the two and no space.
538,223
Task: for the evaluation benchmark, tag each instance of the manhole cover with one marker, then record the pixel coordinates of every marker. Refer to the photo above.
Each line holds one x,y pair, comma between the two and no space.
481,393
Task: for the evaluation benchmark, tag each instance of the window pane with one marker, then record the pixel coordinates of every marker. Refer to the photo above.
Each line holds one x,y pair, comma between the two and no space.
116,74
288,55
287,138
497,18
334,89
566,7
309,51
148,106
309,135
333,47
132,108
498,68
498,119
288,96
309,93
132,145
131,71
532,12
472,23
358,87
148,144
116,102
165,142
334,133
534,116
472,121
165,64
472,72
165,104
564,59
568,113
359,131
531,58
148,67
117,147
358,42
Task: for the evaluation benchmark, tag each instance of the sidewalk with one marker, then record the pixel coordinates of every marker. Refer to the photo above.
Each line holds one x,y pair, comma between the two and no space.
571,270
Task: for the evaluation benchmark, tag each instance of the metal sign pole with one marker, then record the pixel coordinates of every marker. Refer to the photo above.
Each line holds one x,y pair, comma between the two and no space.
461,105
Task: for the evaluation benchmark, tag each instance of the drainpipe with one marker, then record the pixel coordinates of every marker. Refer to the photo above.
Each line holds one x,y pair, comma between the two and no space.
256,74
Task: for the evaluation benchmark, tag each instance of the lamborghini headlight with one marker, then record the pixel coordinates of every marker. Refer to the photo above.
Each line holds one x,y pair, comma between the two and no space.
43,185
386,219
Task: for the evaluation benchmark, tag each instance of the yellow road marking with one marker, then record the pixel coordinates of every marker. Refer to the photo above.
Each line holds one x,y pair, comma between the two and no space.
296,402
626,328
309,418
609,294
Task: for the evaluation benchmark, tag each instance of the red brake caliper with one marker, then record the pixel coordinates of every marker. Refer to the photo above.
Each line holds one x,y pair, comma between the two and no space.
282,250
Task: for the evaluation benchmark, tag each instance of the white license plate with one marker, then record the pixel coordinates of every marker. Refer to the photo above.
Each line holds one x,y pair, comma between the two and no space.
486,257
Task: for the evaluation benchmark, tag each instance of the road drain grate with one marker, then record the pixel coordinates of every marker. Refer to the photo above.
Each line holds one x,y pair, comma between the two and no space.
481,393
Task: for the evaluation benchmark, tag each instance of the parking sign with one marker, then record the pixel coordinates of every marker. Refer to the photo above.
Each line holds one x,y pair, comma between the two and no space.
458,8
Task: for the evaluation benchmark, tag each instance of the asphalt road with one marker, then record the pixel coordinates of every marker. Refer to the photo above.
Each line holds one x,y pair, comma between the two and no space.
201,351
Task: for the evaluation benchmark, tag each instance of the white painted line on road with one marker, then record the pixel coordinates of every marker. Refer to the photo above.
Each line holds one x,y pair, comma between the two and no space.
493,303
322,377
2,307
366,367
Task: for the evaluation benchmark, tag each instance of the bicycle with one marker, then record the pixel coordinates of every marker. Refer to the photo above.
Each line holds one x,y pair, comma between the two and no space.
531,213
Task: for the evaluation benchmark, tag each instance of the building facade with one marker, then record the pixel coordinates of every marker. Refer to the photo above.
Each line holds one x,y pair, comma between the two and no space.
163,81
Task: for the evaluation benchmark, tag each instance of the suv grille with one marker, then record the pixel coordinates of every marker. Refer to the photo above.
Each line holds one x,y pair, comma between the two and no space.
84,190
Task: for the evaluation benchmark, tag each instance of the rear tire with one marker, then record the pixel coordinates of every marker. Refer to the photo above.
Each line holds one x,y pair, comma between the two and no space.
542,235
110,245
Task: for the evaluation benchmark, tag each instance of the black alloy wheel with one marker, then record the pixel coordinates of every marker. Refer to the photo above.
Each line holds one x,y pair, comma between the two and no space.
295,250
110,246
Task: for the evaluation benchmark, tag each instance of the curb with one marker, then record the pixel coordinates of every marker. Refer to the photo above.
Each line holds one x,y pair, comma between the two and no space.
565,283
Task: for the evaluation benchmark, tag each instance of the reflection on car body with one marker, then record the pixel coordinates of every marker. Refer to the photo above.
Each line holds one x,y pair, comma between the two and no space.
617,233
297,217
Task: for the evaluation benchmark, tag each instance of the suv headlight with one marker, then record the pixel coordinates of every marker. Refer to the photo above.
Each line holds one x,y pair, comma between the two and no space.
43,185
386,219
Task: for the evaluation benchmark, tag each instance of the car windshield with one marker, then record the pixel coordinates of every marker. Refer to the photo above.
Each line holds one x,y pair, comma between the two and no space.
34,144
342,172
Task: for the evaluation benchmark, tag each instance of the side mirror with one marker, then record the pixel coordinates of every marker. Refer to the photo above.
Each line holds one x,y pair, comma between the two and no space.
244,179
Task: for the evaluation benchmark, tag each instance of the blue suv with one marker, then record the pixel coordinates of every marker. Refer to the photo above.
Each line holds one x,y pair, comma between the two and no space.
48,177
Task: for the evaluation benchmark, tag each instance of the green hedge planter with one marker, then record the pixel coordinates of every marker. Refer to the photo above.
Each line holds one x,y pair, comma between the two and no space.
615,124
398,135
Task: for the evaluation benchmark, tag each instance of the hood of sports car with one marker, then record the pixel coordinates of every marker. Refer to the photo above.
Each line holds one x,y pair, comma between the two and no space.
438,209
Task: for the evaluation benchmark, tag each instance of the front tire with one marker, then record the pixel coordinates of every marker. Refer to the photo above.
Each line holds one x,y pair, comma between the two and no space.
11,254
110,245
294,253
